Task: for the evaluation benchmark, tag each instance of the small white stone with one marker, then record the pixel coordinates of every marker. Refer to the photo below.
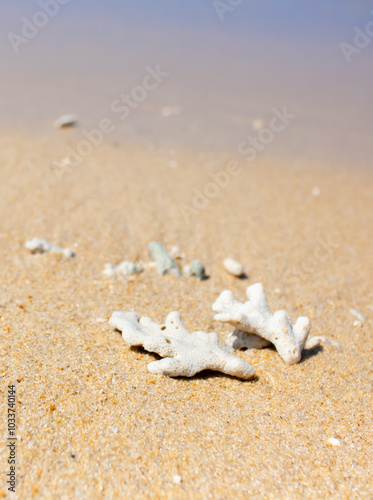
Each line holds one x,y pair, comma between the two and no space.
174,164
357,315
357,323
233,267
176,479
66,121
334,442
316,191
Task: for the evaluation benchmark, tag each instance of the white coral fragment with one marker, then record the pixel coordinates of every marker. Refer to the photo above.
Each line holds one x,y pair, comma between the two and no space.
319,340
233,267
254,317
124,267
65,121
37,245
184,353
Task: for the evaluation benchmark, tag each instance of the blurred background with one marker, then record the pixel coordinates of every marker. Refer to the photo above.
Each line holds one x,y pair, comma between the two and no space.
230,63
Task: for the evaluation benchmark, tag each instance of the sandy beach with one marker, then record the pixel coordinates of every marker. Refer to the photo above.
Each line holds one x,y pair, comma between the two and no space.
92,422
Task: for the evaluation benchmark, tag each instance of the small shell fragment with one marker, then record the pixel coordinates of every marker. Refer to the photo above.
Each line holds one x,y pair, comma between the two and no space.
334,442
65,121
357,315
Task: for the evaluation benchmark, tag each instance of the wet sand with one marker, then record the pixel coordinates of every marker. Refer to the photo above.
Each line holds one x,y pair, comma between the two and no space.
92,421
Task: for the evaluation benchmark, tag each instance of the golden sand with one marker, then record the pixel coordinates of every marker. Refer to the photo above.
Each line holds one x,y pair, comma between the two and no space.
92,421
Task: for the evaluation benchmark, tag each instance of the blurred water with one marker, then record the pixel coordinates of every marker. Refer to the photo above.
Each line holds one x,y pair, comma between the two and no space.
225,73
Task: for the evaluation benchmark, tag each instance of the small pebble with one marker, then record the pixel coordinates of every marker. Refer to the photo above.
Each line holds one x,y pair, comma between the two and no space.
316,191
176,479
65,121
357,315
257,124
176,254
334,442
197,269
37,245
233,267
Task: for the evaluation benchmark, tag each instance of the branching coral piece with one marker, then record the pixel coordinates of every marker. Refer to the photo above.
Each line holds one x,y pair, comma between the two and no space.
166,264
37,245
124,267
254,317
185,353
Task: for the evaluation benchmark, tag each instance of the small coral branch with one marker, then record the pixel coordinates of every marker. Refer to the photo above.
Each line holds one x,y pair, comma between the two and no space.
37,245
256,326
184,353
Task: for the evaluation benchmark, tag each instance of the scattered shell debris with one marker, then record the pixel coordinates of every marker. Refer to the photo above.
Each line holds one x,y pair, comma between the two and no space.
66,121
37,245
166,264
125,267
233,267
184,353
254,318
257,123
